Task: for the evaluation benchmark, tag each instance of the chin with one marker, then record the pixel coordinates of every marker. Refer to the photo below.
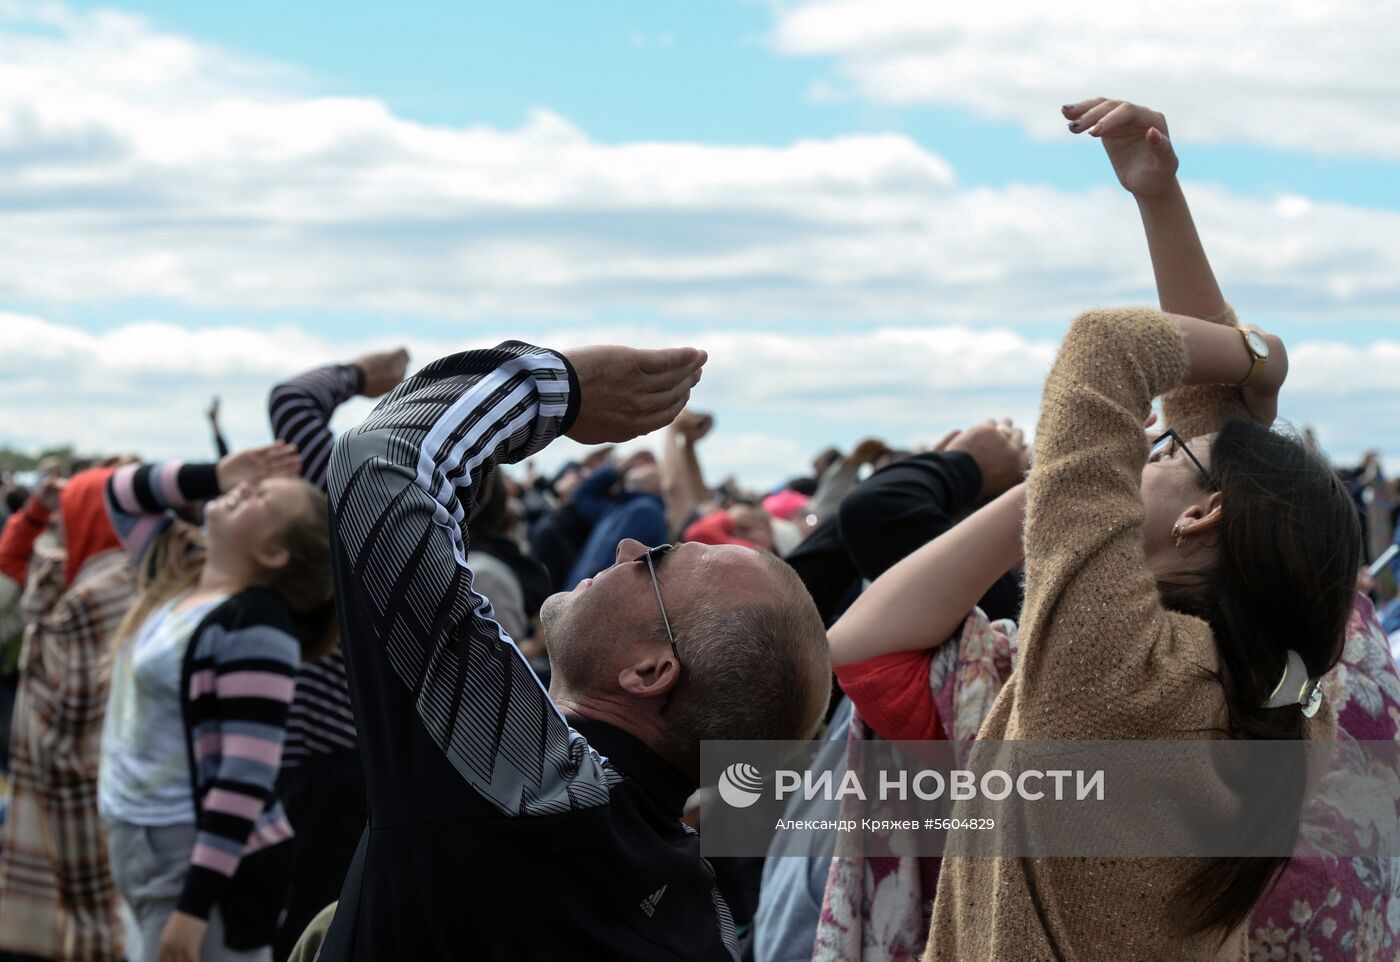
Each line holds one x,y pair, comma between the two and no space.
552,610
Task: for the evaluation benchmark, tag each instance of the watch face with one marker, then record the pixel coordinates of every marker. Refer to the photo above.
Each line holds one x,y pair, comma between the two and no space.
1257,345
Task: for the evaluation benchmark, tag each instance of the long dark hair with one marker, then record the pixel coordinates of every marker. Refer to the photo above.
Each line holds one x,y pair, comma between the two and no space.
1285,578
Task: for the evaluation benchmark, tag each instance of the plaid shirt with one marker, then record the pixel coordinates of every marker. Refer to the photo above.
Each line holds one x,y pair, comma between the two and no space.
57,900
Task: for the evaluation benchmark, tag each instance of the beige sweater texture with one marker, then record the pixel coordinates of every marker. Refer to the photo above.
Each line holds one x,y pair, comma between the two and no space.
1100,657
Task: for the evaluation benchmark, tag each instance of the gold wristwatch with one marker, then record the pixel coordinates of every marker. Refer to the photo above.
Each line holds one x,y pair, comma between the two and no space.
1258,350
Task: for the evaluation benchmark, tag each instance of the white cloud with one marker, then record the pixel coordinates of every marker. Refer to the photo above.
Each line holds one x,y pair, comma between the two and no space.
142,165
778,398
1311,76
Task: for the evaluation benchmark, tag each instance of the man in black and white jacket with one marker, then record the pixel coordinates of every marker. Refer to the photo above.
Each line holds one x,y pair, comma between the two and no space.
507,822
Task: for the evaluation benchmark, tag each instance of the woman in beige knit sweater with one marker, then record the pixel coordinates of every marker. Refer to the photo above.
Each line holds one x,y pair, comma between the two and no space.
1163,599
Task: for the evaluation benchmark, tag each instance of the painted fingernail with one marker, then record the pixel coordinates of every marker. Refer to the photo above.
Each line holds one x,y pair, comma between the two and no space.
1074,125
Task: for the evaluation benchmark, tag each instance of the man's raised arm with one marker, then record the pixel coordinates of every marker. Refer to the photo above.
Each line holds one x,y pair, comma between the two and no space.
403,485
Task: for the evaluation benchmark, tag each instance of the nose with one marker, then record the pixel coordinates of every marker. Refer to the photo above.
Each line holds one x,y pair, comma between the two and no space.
629,549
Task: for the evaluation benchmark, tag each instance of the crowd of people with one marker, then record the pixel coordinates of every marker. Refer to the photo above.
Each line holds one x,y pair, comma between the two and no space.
398,695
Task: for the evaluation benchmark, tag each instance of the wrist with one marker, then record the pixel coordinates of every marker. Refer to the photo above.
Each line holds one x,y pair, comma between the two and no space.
37,513
1169,195
358,373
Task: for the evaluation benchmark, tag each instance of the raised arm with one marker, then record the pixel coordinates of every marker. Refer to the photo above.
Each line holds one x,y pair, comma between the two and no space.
1087,580
1145,162
922,600
402,486
24,527
140,497
300,408
594,495
682,478
841,477
902,507
220,442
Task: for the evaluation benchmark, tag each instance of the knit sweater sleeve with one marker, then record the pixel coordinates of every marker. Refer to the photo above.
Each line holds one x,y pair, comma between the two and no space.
1196,409
242,687
300,410
1097,646
140,496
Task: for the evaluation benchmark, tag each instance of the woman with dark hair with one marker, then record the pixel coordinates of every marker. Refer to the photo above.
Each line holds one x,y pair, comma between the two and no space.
1164,598
201,684
1167,596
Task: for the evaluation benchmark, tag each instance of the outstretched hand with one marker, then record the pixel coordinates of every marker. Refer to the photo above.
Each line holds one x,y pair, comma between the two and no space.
383,371
213,411
693,425
1000,451
1135,138
253,464
628,392
49,491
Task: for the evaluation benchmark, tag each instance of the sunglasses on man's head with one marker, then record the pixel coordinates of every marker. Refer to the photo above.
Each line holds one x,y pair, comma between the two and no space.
652,559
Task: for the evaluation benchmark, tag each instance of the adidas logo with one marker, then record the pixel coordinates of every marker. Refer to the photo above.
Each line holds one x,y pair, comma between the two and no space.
650,903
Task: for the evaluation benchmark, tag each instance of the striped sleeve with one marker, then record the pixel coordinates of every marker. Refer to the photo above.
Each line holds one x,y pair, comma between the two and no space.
240,687
300,410
322,719
402,486
140,496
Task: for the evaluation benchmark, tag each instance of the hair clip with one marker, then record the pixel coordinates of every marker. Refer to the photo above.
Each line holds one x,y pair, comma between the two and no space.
1296,688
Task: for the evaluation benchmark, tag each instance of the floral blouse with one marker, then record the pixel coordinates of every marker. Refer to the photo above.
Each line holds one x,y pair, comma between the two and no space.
1320,910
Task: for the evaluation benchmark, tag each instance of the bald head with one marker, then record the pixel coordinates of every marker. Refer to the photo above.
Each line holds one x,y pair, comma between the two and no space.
751,657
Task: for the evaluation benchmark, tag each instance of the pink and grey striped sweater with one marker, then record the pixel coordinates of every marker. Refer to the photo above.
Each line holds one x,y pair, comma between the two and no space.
237,680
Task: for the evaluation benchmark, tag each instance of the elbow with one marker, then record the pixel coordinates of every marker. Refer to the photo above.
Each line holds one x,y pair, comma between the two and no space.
858,510
350,453
1105,325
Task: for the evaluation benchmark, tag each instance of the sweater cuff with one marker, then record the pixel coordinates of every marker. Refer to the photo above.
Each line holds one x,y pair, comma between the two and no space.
355,379
575,395
892,694
36,514
198,481
966,476
202,889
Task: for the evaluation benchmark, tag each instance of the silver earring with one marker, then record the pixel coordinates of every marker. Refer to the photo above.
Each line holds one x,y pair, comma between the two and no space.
1177,536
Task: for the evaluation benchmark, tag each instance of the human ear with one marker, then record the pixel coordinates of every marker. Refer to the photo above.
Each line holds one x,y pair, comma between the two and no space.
272,556
650,675
1202,518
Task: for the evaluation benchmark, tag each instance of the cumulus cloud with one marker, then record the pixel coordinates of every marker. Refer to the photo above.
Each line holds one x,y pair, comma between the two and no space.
778,398
143,165
1315,77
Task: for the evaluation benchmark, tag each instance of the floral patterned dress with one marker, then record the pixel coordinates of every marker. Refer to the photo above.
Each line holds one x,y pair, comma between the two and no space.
1330,909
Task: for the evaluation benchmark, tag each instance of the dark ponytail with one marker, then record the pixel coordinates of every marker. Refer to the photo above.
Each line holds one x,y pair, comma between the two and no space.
1290,547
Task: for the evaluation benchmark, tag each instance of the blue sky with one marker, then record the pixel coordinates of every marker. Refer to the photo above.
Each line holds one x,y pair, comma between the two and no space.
780,174
673,70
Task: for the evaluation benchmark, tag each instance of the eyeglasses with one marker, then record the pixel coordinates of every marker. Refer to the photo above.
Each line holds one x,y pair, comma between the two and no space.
652,557
1167,444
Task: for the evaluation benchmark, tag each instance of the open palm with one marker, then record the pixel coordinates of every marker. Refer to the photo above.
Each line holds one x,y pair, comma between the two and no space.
1135,138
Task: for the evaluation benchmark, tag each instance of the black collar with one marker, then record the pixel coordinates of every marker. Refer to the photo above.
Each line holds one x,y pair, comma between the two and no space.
638,762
